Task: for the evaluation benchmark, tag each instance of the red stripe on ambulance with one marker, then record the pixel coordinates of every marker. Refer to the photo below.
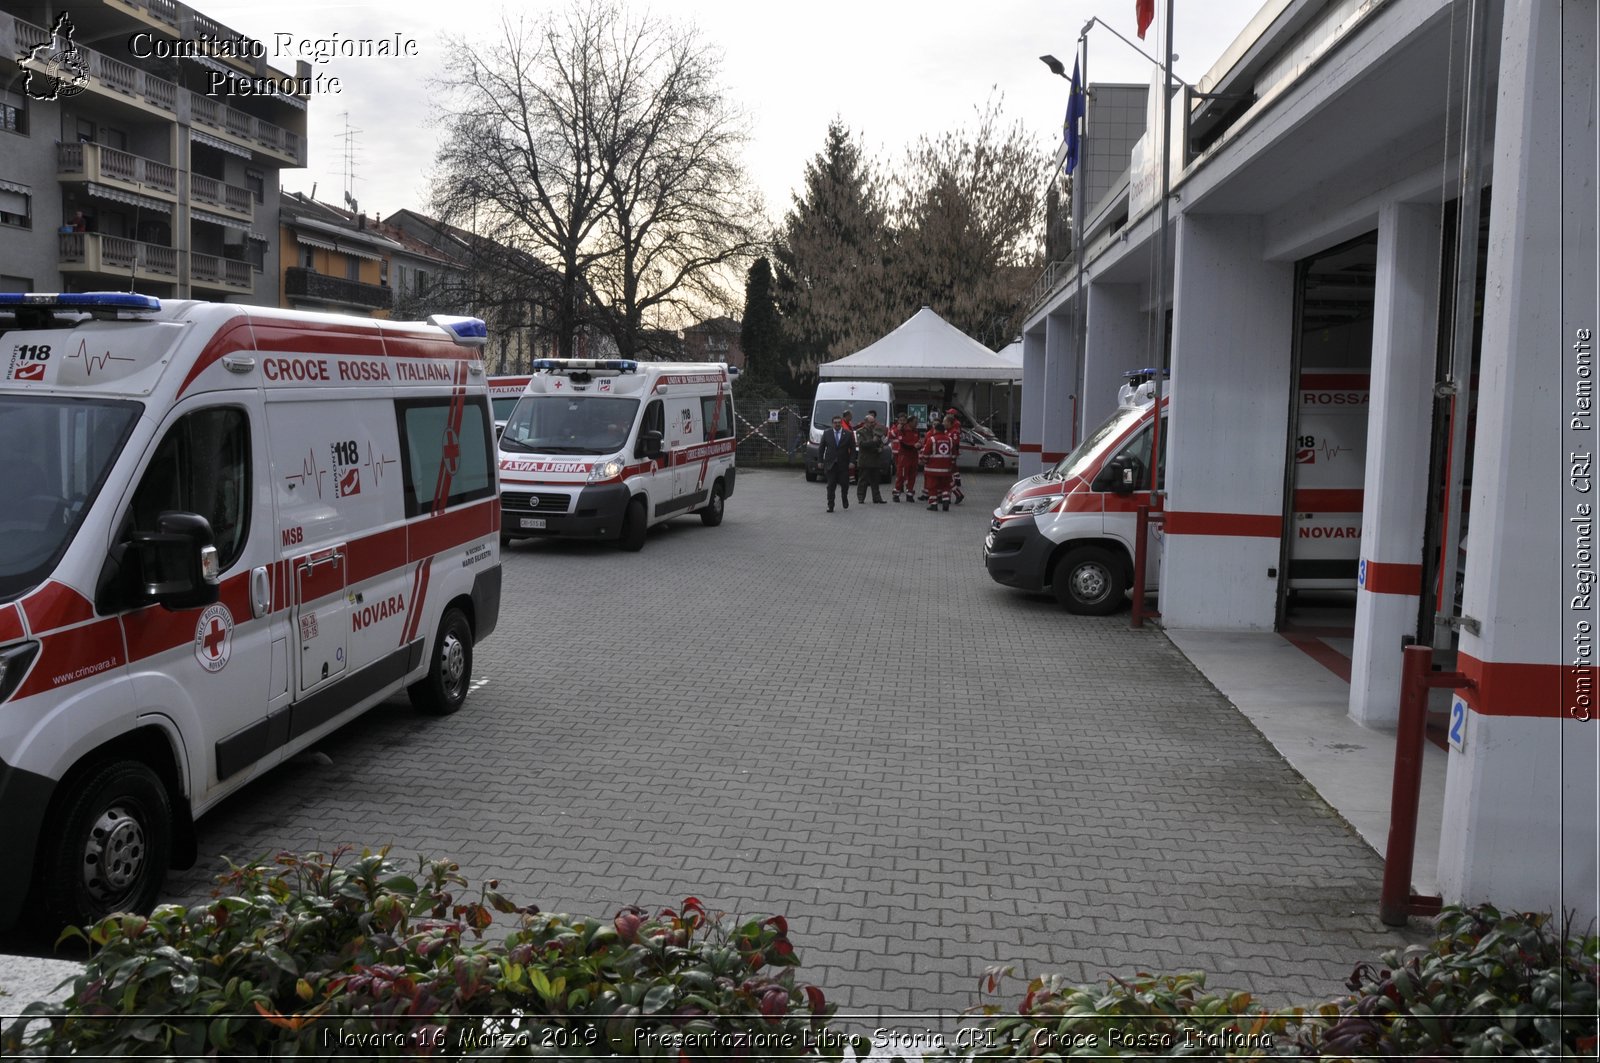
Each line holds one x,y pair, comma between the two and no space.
55,605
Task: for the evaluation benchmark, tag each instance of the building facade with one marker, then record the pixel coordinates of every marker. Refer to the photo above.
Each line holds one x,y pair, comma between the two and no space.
1316,197
130,158
333,259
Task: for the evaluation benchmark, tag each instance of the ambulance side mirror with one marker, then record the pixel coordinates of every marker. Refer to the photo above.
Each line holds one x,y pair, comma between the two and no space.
1123,476
650,444
177,563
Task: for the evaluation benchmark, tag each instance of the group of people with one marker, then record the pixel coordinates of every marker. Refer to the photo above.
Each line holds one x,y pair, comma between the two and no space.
934,453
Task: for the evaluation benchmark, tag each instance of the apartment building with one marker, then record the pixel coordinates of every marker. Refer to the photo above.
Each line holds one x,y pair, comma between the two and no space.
140,148
334,259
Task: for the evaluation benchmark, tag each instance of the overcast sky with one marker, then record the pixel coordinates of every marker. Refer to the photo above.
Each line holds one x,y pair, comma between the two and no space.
892,69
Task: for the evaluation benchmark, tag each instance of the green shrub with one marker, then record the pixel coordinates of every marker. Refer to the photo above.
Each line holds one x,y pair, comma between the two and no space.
312,956
1489,985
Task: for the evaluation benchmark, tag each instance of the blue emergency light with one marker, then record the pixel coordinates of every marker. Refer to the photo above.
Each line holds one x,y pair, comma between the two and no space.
466,331
567,365
116,303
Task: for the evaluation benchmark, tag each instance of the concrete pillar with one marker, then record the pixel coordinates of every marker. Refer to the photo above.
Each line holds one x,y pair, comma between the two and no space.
1031,430
1060,388
1394,503
1116,345
1520,817
1232,338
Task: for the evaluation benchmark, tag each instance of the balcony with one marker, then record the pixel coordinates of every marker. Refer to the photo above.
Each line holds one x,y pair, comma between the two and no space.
160,10
227,274
99,253
107,76
309,284
247,130
230,199
98,163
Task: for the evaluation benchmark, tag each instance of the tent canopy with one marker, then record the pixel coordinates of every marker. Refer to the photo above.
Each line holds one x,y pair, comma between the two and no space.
927,347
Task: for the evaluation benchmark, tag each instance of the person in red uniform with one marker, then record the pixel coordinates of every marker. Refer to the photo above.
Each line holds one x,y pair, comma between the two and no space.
905,439
952,425
939,464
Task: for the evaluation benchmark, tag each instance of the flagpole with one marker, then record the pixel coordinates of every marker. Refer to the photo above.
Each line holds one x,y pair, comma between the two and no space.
1165,250
1080,323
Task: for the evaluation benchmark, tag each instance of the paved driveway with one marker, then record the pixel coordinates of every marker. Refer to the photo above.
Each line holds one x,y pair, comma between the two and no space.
840,718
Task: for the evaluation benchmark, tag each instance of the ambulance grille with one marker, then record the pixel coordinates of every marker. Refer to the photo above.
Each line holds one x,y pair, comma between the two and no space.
528,502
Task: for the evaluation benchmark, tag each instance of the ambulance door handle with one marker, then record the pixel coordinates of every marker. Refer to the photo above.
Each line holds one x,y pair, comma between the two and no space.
260,592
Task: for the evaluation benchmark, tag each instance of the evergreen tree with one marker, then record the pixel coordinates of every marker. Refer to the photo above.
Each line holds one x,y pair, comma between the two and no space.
833,260
761,334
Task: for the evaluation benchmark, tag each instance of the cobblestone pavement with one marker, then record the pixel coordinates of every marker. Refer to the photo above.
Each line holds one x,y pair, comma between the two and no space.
840,718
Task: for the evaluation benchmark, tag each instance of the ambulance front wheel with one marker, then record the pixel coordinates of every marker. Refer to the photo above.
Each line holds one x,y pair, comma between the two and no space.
109,845
711,516
634,526
444,689
1089,581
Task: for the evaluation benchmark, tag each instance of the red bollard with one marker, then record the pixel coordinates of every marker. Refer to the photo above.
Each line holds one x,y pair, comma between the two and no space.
1396,901
1141,539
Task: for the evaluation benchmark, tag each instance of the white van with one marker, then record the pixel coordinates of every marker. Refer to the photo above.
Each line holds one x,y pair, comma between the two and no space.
227,530
1071,529
835,397
504,391
606,448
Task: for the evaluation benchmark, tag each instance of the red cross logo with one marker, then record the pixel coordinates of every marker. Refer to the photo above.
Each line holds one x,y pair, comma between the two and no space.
213,637
452,450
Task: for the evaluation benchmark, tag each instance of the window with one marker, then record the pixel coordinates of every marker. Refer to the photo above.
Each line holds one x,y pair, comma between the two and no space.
655,420
16,206
13,112
441,464
422,281
352,268
708,413
1137,450
85,131
202,466
307,257
255,253
256,182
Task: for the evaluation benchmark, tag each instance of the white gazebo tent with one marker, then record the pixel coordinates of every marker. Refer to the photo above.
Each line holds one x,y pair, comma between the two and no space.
928,349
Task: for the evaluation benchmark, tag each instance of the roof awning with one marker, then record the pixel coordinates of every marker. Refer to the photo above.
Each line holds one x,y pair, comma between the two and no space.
219,219
12,186
359,253
221,145
117,195
312,241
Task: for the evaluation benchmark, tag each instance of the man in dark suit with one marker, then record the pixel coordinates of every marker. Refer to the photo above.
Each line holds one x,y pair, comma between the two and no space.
837,452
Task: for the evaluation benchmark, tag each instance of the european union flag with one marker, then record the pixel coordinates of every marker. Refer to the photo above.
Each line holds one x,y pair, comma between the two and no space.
1070,126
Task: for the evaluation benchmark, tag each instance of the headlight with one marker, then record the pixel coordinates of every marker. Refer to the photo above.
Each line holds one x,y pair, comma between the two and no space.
14,661
605,470
1029,507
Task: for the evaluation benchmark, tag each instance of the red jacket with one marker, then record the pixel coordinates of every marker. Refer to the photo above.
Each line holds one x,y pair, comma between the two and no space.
939,450
904,440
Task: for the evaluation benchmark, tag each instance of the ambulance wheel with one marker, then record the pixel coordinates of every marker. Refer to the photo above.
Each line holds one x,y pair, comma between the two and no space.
711,516
633,527
444,689
1089,581
109,845
990,461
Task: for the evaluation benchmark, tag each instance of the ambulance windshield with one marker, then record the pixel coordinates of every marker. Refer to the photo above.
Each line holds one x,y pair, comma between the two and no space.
1078,462
58,452
569,424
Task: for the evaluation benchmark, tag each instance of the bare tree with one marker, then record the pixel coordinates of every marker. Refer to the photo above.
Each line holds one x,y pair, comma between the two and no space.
601,144
967,220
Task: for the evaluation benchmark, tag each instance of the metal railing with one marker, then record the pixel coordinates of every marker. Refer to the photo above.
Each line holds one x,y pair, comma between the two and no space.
297,280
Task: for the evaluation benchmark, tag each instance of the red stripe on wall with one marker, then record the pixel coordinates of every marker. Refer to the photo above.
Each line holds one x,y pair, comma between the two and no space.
1328,500
1053,455
1027,448
1385,577
1251,525
1534,691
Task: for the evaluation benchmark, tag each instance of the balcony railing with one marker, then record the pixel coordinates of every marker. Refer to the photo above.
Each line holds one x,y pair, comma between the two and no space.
231,198
211,271
106,73
99,253
96,162
208,112
310,284
160,10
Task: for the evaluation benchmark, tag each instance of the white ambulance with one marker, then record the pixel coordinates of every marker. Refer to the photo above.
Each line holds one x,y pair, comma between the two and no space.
1071,529
226,531
606,448
504,391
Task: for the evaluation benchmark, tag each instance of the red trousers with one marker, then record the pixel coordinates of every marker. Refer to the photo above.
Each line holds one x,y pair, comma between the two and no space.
905,472
937,484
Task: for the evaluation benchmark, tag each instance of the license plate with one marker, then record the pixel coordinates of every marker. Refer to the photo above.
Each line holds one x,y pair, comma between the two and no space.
533,523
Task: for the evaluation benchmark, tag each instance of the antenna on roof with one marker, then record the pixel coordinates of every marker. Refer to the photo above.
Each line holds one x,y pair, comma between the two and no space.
349,138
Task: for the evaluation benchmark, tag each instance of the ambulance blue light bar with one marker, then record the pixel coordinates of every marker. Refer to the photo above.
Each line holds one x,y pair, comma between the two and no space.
567,365
81,302
1139,376
466,331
